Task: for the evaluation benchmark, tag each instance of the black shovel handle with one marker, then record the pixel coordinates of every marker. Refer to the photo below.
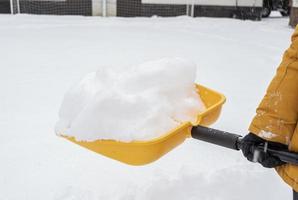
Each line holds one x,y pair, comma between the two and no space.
233,141
217,137
286,156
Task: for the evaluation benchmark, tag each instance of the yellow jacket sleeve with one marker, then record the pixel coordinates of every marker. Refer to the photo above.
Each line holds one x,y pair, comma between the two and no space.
277,113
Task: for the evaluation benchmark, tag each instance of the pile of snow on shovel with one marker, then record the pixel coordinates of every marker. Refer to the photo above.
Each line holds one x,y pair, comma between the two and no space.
139,103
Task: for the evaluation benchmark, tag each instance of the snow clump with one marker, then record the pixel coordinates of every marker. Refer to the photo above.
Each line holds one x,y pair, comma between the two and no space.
140,103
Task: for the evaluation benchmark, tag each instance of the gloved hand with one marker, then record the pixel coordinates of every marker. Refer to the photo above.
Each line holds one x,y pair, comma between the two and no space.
249,144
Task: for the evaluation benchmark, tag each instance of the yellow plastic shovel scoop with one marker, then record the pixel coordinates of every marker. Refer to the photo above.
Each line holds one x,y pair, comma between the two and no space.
144,152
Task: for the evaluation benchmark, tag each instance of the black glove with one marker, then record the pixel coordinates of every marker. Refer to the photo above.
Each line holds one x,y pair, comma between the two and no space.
248,147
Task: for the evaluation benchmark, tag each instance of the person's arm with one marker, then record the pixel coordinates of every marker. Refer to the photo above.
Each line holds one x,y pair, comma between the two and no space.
277,114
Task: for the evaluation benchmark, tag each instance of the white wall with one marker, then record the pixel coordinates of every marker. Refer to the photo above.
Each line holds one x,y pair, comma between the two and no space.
112,4
295,3
257,3
250,3
97,7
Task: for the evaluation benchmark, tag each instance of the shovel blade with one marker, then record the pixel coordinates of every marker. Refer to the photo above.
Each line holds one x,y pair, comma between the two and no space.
145,152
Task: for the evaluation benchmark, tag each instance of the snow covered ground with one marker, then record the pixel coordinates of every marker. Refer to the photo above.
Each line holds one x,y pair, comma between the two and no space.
41,56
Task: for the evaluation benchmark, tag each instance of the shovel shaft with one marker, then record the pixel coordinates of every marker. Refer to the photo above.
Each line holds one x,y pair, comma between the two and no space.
286,156
217,137
233,141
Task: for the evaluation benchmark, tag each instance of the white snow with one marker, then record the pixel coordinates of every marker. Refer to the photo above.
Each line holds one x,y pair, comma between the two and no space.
141,103
42,56
266,134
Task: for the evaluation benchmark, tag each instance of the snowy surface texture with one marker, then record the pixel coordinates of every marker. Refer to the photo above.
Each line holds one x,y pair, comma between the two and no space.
140,103
42,56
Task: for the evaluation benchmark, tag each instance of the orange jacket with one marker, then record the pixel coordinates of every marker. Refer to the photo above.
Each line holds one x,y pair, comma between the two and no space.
277,115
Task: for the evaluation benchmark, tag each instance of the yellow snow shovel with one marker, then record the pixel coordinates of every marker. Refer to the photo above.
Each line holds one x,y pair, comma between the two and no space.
144,152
